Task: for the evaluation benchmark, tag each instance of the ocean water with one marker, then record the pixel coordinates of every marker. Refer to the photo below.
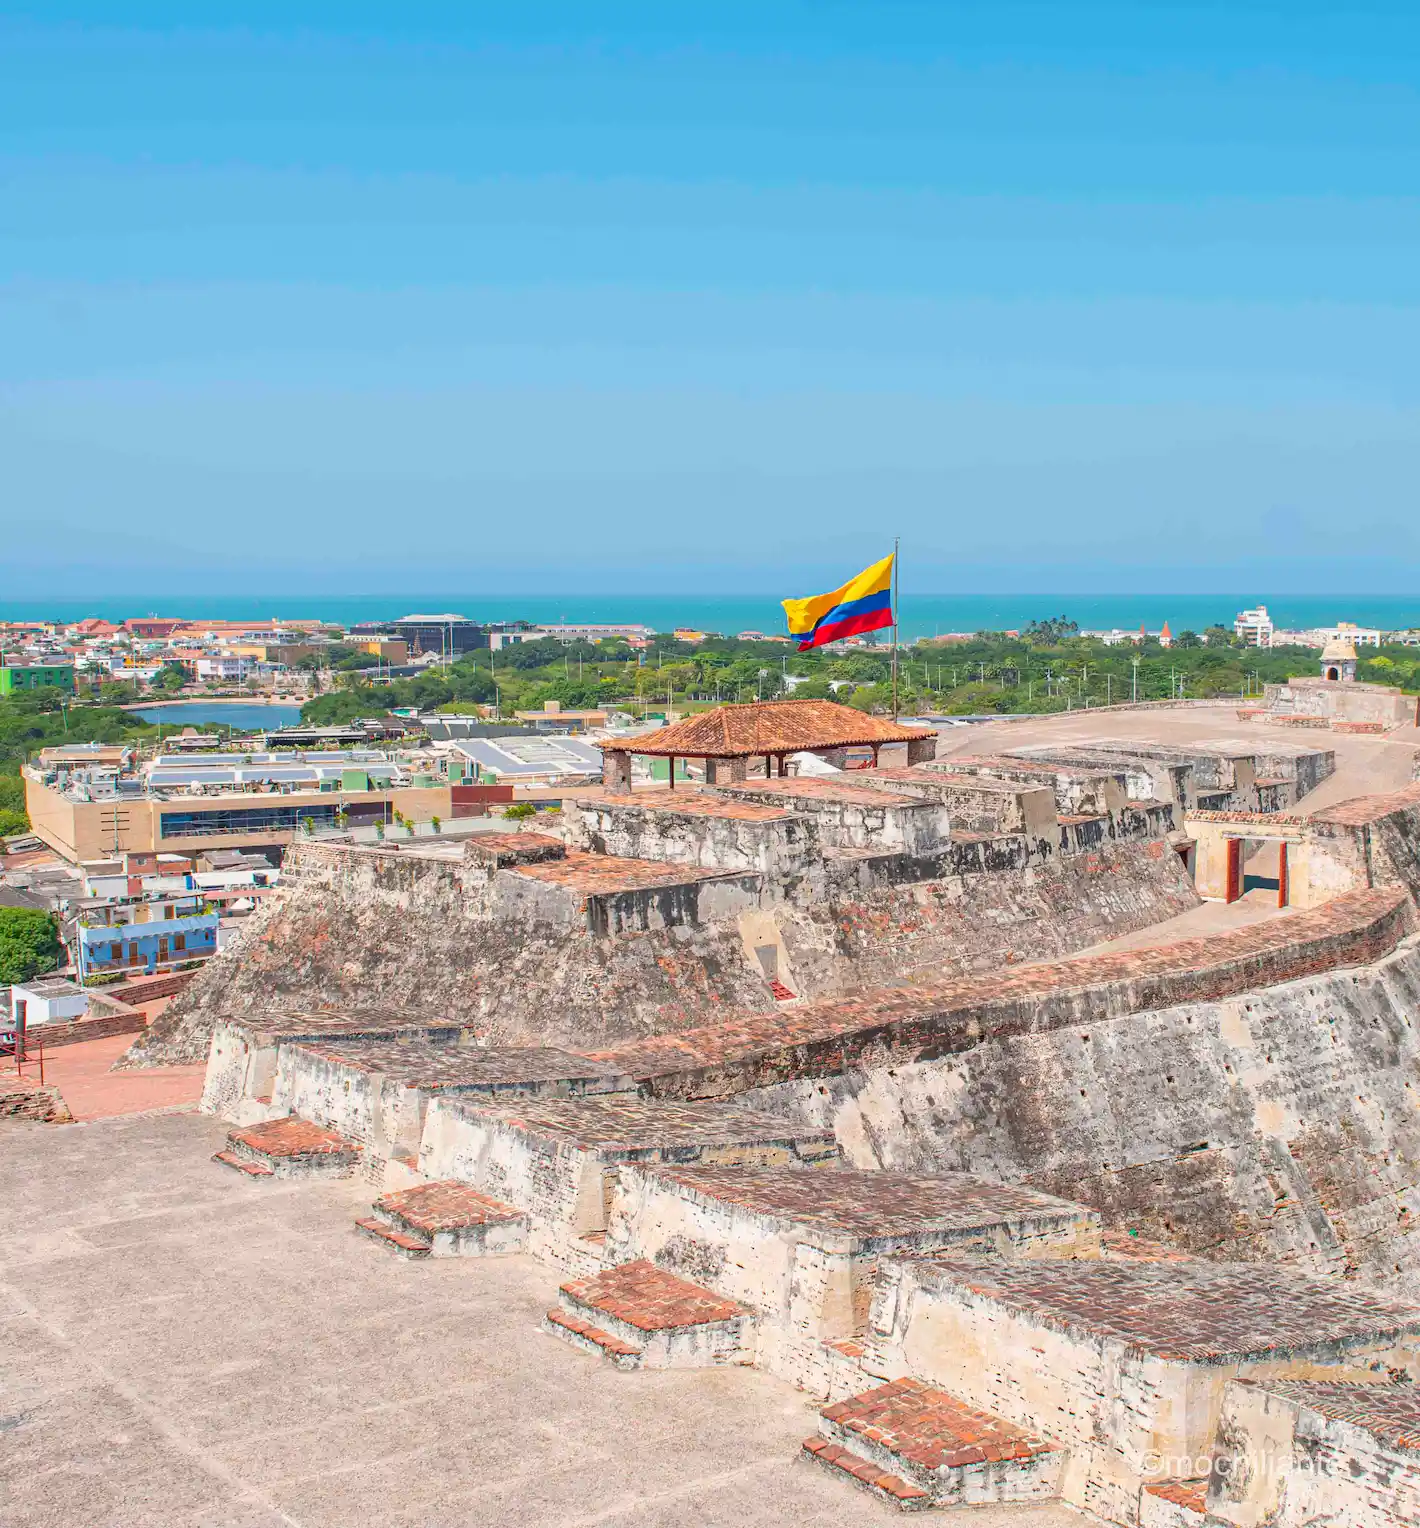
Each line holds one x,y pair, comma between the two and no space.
921,615
242,718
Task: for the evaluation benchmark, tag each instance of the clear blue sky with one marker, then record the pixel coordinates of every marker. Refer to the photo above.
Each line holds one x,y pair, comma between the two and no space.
352,297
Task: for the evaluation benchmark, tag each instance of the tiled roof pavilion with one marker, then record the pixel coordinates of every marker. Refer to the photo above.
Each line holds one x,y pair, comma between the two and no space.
771,727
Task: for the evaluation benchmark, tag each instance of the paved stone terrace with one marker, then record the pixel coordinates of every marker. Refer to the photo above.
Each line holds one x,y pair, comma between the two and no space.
422,1064
185,1349
1198,1312
687,802
1366,809
289,1024
614,1123
500,849
593,874
832,792
650,1299
966,762
1389,1412
932,1429
435,1207
866,1205
937,776
831,1033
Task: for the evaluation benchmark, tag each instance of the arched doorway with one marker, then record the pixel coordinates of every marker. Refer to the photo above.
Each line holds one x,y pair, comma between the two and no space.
1333,673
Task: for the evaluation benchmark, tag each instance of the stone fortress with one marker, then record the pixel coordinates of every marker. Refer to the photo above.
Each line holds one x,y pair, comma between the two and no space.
1045,1110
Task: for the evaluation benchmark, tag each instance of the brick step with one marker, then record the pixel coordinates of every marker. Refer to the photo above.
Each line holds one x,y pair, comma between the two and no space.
396,1241
591,1339
869,1477
675,1323
242,1165
956,1455
295,1148
1173,1504
454,1220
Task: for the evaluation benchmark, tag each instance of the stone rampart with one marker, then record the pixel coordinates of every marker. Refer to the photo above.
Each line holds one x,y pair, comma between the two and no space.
1341,700
893,1026
1275,1124
425,932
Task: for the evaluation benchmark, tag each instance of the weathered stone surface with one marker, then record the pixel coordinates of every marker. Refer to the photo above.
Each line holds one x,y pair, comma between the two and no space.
424,932
1273,1125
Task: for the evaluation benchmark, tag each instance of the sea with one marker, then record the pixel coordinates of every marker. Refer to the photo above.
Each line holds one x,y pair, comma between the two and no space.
921,615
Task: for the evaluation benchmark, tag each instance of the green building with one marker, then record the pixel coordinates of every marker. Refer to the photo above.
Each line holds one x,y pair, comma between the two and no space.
18,674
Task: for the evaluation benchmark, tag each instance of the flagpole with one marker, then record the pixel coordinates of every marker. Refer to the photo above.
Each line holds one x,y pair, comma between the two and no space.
896,542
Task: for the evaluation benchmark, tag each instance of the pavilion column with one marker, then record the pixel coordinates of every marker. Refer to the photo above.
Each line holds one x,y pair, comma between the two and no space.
671,771
726,771
616,771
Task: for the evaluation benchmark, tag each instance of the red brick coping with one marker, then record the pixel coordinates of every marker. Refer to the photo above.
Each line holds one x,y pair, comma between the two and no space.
885,1025
650,1299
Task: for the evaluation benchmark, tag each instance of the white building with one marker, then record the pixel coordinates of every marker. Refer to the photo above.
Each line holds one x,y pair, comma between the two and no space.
1255,627
44,1000
1348,631
224,666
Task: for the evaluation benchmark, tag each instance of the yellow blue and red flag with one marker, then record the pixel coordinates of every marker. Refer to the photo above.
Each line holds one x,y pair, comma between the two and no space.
862,604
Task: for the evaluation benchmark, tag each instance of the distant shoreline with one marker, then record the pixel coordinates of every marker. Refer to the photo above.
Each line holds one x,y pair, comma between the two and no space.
212,700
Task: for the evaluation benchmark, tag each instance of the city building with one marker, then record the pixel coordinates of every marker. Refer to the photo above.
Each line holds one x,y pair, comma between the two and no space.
447,635
1348,631
111,935
46,1000
554,718
233,801
20,674
1255,627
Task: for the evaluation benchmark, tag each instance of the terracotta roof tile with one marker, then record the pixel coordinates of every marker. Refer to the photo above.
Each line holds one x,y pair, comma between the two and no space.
775,726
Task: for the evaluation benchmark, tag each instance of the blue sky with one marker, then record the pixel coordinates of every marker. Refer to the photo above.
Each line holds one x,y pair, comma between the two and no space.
344,298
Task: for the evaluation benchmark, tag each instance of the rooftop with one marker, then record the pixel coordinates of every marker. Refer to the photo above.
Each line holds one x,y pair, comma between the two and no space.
1196,1311
686,803
596,874
614,1123
770,727
838,792
422,1064
1388,1412
870,1204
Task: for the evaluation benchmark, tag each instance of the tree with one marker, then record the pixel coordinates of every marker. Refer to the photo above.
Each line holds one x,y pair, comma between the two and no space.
171,677
29,943
1188,639
1219,636
1053,629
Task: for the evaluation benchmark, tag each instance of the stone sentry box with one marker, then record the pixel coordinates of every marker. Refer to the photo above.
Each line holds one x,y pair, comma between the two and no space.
377,1092
1127,1364
802,1248
242,1059
557,1160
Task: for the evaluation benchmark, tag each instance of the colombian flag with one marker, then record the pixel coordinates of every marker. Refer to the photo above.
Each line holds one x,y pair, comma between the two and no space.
863,604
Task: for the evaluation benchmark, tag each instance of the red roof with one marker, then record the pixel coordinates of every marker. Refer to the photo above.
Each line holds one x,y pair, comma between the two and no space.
768,727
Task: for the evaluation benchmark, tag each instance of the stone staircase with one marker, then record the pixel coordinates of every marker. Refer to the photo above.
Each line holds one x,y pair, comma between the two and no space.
914,1447
445,1219
289,1148
639,1316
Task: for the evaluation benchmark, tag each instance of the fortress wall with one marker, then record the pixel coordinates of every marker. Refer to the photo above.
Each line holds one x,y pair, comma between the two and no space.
421,933
1278,1123
884,1027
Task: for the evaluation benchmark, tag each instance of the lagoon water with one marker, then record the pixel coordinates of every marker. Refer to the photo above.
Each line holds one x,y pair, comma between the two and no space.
240,718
